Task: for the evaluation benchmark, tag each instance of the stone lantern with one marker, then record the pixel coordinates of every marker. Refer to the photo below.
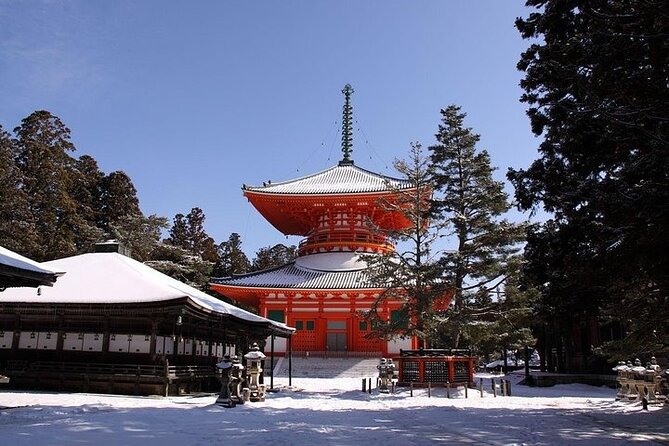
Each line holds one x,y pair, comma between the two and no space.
387,373
254,390
231,381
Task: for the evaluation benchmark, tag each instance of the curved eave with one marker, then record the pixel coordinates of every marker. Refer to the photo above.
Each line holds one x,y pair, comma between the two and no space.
251,294
12,277
295,214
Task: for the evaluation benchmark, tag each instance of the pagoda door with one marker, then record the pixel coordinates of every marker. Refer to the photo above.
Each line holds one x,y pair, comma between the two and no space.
336,336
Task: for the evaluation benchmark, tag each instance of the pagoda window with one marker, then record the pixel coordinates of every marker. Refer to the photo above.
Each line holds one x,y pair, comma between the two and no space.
276,315
362,325
336,325
308,325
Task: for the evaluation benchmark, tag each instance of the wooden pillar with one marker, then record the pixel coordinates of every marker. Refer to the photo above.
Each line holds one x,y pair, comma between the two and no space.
154,335
290,360
105,337
271,363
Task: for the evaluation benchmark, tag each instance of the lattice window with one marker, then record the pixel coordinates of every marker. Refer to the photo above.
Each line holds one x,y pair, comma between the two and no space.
461,372
410,371
436,371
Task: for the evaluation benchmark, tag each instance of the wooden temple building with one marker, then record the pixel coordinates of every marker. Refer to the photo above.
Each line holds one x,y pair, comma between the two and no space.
113,324
325,291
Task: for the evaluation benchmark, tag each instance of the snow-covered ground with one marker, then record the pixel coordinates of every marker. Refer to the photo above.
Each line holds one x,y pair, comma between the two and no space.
334,412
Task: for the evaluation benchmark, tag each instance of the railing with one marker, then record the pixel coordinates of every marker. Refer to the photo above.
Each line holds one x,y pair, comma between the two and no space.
343,238
149,370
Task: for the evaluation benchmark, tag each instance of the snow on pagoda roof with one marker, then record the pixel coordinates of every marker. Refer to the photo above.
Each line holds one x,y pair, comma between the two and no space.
10,258
339,179
318,272
111,278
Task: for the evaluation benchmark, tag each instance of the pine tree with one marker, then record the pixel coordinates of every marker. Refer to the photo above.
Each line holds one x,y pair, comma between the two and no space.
411,273
470,203
596,86
232,259
139,233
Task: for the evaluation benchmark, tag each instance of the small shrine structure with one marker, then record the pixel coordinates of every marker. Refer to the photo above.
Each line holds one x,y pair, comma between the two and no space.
325,291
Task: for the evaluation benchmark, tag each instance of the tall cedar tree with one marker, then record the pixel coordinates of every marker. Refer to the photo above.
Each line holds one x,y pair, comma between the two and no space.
60,205
43,144
411,273
232,259
596,82
470,203
188,233
16,228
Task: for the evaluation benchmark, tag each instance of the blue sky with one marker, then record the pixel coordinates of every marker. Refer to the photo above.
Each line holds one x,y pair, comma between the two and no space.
194,99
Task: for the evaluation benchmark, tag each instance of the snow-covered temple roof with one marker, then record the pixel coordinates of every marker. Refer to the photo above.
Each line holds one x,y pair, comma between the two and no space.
111,278
17,270
315,272
340,179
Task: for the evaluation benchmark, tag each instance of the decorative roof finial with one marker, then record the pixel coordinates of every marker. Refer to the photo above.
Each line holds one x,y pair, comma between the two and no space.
347,127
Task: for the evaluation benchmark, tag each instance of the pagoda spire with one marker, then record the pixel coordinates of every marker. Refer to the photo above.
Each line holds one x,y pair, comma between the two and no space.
347,127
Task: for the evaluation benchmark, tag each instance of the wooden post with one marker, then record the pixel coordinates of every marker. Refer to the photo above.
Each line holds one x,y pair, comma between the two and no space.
364,385
290,361
466,390
494,387
271,363
505,356
527,365
429,390
481,386
508,387
502,383
448,389
369,389
411,389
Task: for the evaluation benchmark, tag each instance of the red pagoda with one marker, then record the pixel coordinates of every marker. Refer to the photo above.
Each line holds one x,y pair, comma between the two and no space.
325,291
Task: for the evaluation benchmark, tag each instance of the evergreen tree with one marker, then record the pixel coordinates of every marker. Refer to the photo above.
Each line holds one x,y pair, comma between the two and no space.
470,204
118,200
411,273
232,259
596,86
43,145
188,233
182,265
86,193
273,256
16,229
179,233
139,233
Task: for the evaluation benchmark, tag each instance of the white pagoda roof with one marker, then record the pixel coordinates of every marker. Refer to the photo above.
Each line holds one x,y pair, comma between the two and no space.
111,278
339,179
325,271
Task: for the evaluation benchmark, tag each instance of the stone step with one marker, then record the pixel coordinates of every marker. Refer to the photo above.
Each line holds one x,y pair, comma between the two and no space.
315,367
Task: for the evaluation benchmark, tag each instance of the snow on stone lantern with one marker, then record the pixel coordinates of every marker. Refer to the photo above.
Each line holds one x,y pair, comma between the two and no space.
387,373
254,390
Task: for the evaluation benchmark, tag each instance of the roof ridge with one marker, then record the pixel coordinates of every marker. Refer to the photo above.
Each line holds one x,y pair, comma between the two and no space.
325,171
